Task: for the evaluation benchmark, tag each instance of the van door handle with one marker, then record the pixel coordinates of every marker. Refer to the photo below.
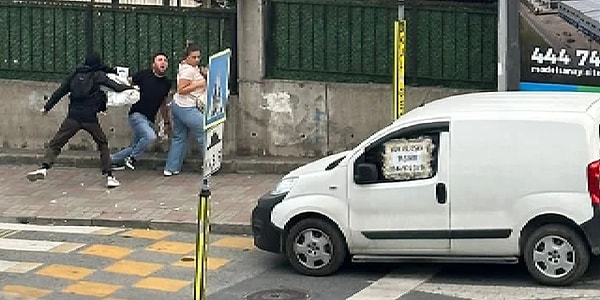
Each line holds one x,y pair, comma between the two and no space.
440,192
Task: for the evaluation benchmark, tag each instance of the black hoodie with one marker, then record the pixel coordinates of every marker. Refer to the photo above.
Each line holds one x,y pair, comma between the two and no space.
85,110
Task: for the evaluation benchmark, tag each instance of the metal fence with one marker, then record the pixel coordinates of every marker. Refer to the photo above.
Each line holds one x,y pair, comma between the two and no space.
448,43
46,39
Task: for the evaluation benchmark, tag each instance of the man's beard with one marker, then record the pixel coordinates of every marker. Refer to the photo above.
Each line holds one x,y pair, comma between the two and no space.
158,72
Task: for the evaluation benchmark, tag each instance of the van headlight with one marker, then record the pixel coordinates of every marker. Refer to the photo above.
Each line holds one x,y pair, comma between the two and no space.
284,186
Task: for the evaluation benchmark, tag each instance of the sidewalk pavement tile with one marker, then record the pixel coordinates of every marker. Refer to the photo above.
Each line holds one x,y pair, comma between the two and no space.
70,196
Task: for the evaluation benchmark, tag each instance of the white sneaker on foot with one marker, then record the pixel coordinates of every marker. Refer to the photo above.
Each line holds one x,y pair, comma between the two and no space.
117,167
130,162
111,182
38,174
168,173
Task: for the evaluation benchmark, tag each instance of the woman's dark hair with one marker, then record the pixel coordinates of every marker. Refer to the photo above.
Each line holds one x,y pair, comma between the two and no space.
189,48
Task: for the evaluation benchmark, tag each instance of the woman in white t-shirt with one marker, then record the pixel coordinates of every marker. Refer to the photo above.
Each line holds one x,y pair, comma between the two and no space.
187,108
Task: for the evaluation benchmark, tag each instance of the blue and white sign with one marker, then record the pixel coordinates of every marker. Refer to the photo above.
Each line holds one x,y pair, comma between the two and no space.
217,90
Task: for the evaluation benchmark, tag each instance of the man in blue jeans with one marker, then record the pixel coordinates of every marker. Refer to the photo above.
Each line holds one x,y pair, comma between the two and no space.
154,88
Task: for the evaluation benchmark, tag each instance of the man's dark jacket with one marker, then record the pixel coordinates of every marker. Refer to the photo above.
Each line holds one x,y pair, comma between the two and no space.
85,109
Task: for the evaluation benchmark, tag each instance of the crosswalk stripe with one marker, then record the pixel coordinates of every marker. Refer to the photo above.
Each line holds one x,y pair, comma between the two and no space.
483,292
38,246
17,266
6,232
61,229
394,285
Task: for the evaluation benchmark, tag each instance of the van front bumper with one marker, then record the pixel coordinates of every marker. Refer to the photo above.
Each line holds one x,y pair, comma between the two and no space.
591,229
266,236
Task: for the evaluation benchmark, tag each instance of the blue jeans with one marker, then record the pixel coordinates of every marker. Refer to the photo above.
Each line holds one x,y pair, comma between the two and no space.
185,120
143,136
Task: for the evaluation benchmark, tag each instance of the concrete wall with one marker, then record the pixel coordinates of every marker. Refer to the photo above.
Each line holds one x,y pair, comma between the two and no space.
289,118
22,125
272,117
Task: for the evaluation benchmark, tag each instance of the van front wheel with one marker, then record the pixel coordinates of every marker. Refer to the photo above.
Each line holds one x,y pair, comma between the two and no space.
315,247
556,255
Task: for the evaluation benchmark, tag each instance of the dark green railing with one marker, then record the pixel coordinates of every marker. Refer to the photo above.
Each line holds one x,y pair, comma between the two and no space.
44,40
448,44
40,41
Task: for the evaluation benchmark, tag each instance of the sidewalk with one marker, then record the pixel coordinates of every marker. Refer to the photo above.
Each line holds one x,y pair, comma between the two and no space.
145,199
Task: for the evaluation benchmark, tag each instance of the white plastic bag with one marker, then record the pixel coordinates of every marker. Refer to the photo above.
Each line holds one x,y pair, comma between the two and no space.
126,97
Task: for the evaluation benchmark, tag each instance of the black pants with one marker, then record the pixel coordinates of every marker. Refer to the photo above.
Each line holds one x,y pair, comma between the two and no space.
67,130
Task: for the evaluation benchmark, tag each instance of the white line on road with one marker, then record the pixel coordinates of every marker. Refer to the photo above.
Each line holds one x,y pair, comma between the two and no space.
38,246
394,285
61,229
497,292
17,266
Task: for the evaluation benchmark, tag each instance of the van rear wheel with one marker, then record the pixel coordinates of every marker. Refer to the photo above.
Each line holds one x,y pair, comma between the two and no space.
315,247
556,255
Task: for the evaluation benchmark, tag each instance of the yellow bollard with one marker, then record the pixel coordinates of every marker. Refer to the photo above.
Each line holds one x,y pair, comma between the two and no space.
202,242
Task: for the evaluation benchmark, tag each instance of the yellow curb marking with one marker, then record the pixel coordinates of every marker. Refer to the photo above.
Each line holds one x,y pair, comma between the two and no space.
235,242
25,291
161,284
115,252
66,248
66,272
213,263
91,289
146,234
172,247
133,268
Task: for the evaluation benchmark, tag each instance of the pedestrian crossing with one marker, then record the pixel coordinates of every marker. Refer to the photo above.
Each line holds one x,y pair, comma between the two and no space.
41,246
54,262
14,227
17,266
104,263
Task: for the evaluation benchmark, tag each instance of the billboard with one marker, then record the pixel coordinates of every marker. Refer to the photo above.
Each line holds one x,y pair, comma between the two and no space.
559,44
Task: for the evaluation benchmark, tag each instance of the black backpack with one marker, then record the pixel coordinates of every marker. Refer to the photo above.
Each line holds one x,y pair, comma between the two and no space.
82,85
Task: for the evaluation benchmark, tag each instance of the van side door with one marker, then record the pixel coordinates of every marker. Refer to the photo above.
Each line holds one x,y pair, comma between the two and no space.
398,192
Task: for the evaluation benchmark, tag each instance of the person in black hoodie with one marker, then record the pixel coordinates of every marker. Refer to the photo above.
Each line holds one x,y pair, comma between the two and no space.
86,100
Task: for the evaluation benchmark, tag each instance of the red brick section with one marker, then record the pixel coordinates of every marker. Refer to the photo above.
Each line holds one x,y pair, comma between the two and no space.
77,196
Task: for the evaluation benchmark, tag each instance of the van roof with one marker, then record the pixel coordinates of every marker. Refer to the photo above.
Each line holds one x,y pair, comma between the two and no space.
509,101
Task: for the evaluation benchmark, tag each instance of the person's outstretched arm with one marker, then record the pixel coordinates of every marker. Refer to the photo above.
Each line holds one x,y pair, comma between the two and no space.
102,79
63,90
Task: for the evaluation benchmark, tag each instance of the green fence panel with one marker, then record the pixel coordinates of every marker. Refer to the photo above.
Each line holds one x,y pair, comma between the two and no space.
448,44
46,39
39,39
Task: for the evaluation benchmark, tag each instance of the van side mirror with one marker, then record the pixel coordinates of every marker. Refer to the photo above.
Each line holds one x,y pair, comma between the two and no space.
366,173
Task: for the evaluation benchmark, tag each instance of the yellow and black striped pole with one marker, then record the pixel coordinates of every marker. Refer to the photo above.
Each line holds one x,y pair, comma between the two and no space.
202,242
399,52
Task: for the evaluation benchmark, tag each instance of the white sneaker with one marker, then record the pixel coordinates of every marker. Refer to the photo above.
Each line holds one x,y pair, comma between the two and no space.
130,162
168,173
111,182
38,174
115,167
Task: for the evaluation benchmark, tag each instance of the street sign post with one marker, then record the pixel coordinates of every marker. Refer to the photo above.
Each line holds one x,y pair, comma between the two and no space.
217,92
399,52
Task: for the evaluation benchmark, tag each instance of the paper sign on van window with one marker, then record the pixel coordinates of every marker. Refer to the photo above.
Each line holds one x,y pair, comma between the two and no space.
408,159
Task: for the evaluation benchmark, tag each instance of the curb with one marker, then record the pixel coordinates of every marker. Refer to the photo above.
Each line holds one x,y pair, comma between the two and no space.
87,159
231,229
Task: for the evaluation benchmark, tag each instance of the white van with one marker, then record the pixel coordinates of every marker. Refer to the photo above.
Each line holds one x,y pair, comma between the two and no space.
477,178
